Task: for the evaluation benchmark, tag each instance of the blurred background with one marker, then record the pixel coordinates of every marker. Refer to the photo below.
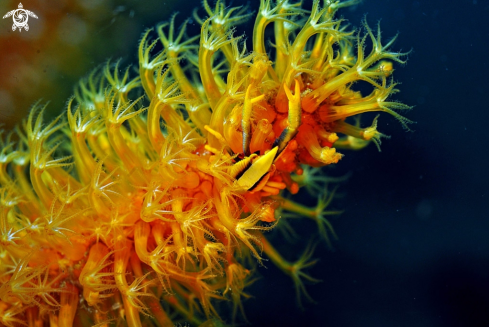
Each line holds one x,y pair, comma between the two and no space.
67,41
413,247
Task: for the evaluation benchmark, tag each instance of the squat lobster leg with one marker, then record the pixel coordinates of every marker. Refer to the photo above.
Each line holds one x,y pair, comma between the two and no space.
246,119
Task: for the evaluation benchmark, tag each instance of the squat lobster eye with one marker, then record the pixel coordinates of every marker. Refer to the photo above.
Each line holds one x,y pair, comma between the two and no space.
257,170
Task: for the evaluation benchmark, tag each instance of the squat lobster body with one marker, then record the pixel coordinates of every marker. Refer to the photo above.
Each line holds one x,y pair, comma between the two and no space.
257,170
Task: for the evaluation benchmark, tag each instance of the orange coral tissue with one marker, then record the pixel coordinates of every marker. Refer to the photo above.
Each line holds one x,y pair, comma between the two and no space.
147,202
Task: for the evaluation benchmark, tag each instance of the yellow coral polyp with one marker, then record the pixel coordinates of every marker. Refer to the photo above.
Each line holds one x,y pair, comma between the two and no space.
143,204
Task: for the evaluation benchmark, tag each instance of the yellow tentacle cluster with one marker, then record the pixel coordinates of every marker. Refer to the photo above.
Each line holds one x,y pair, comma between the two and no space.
142,204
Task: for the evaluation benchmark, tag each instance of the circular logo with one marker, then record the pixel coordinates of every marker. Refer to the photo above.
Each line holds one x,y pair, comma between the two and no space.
20,17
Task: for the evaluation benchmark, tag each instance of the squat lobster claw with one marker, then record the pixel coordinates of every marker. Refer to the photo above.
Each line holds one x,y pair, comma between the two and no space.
294,117
257,170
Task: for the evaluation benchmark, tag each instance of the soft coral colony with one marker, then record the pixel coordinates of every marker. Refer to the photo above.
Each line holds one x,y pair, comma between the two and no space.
146,203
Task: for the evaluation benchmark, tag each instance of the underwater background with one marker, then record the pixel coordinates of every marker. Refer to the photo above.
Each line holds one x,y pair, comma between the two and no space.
413,241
